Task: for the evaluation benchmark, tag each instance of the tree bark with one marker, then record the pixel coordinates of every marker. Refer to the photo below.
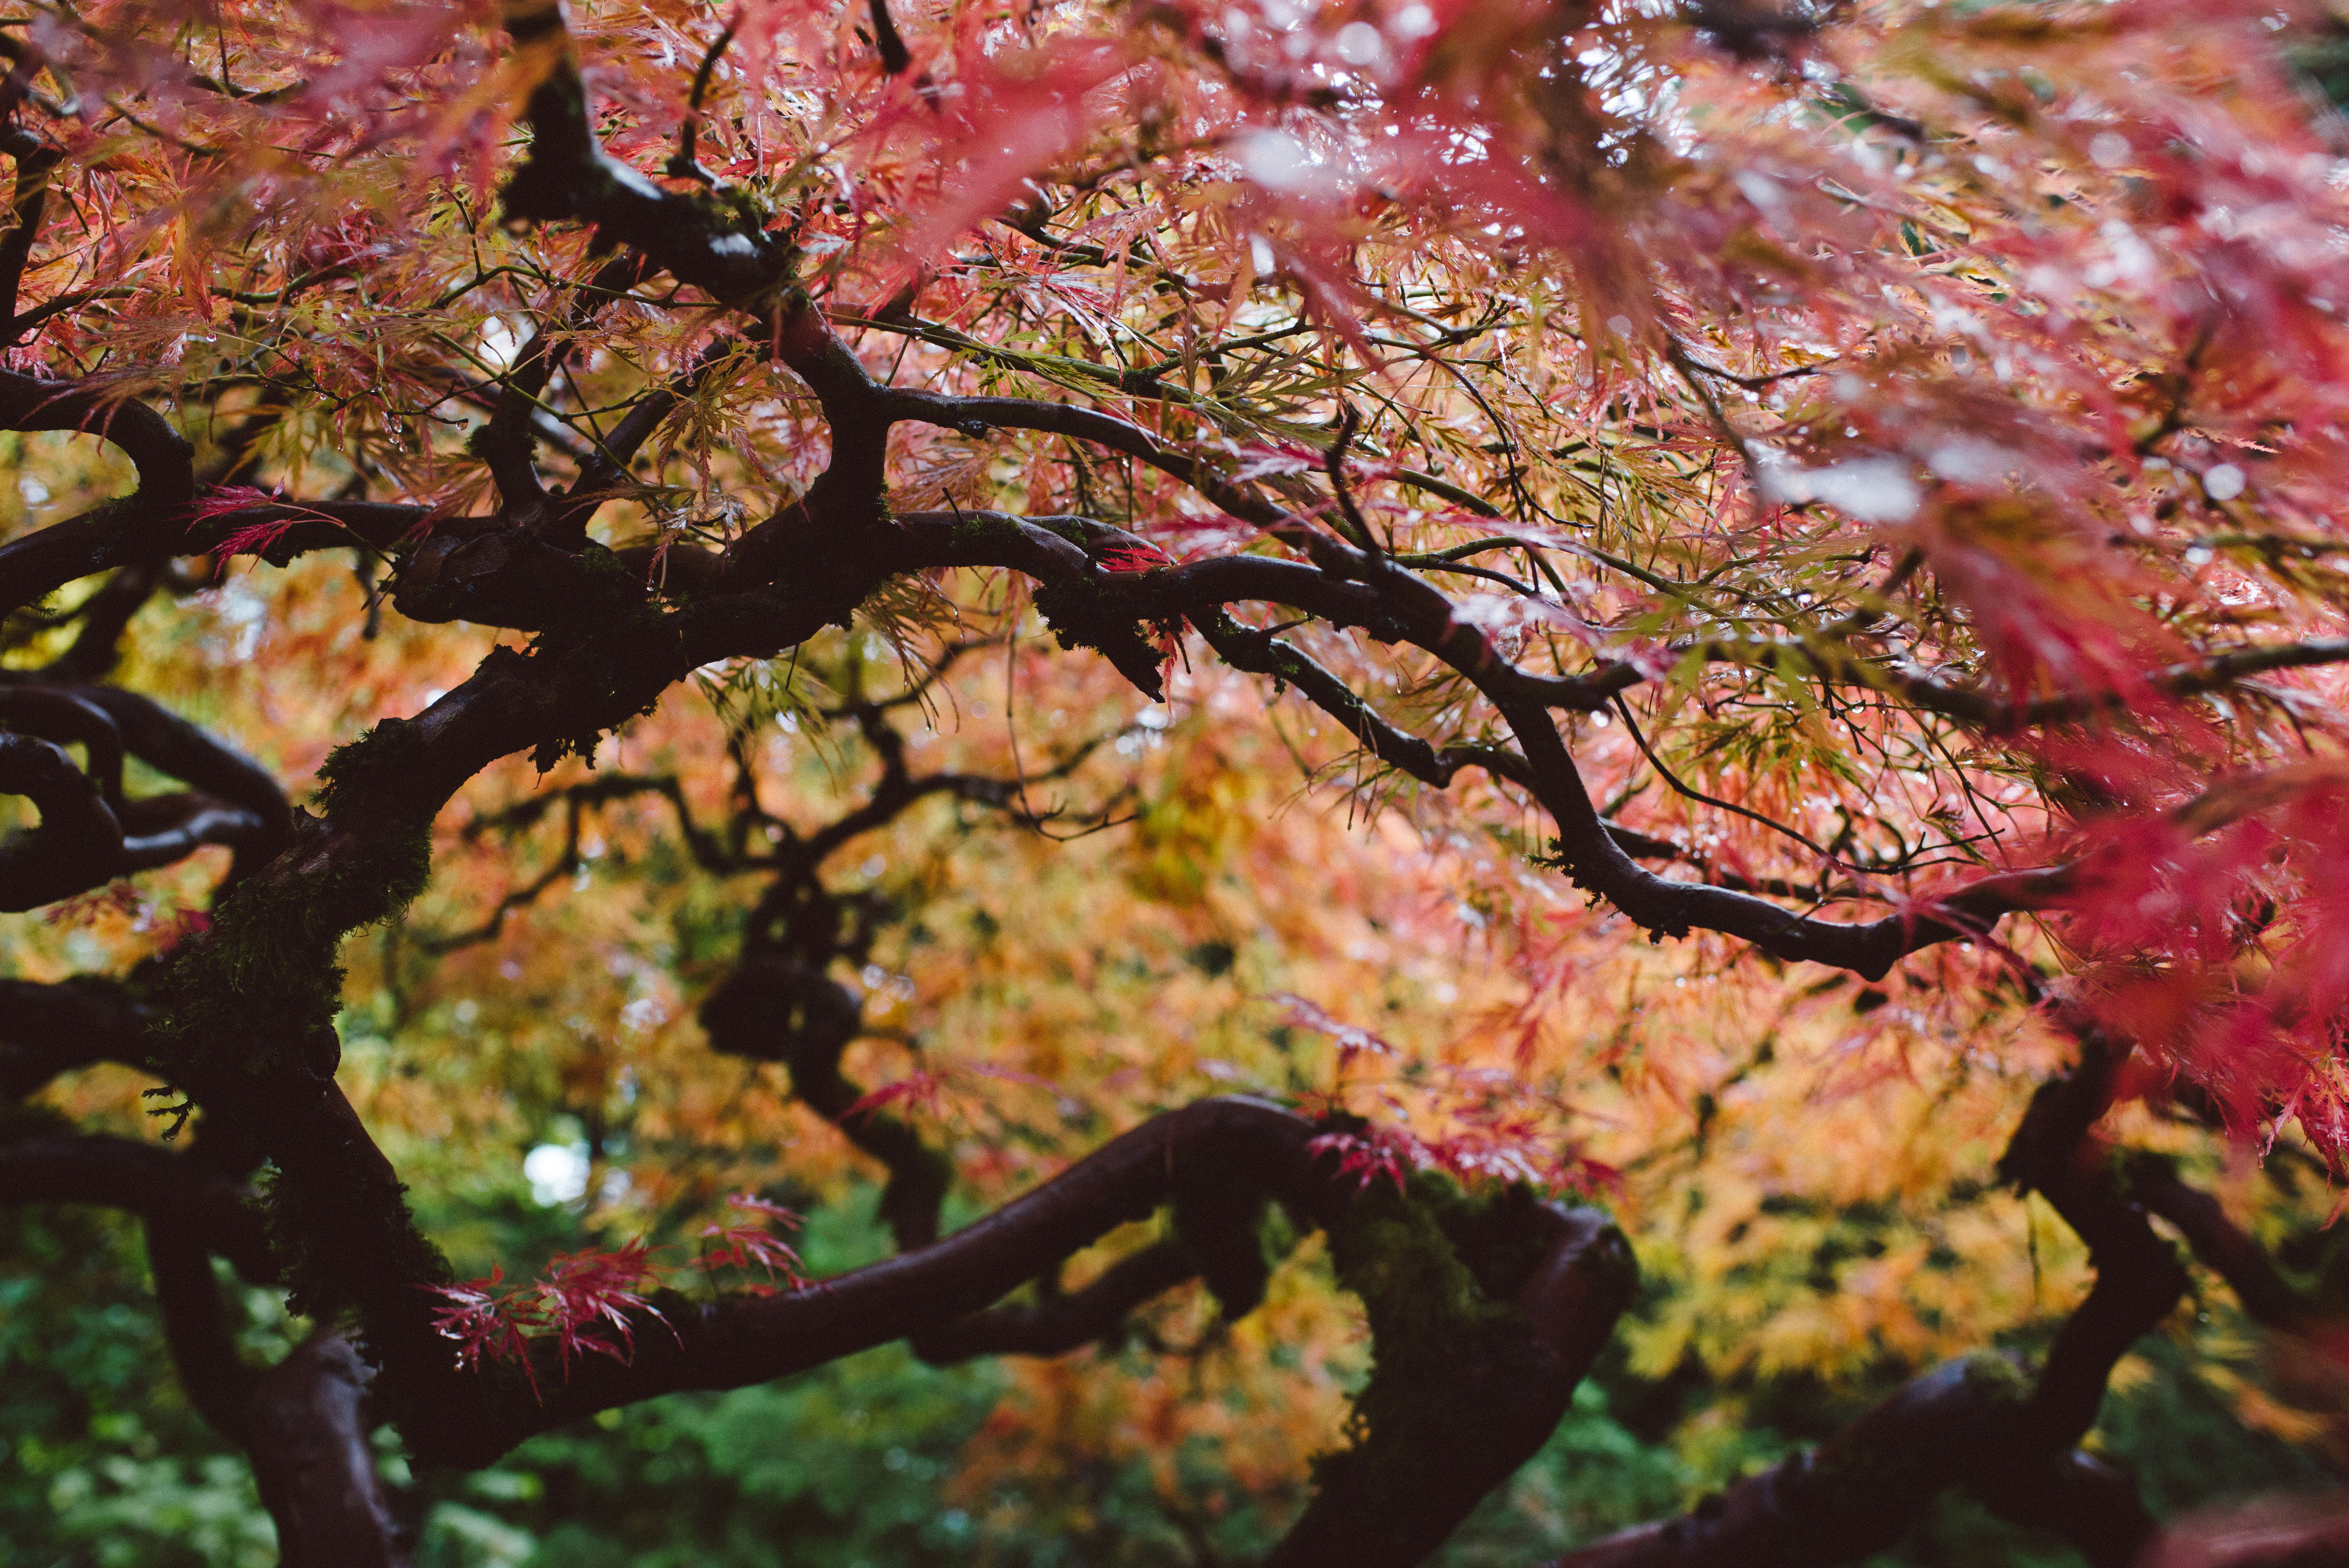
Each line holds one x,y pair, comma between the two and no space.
313,1463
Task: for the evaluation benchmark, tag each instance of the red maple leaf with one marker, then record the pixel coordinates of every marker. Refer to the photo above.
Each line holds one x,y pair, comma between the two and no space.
918,1090
487,1319
586,1299
749,1246
256,538
1372,1153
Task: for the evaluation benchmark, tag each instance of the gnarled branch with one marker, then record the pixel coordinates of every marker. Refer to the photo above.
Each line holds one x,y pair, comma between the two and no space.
138,526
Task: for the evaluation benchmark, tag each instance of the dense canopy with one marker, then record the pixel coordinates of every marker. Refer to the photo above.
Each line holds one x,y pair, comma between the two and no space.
1306,719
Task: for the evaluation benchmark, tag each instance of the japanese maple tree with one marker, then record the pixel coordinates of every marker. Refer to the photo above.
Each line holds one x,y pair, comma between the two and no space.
1831,490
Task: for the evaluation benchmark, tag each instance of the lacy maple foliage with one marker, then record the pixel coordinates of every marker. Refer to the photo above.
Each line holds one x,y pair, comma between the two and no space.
807,549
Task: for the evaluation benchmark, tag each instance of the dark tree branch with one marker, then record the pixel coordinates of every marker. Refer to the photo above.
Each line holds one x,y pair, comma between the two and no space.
1387,601
781,1006
190,1212
606,472
79,843
35,158
507,441
2081,1499
741,1340
1265,653
780,1003
144,1179
1588,849
169,744
1592,857
1863,1490
1485,1407
106,613
137,527
316,1472
280,531
893,56
2268,1298
89,833
104,616
569,176
197,1330
1976,1422
1056,1324
66,718
45,1030
1221,1143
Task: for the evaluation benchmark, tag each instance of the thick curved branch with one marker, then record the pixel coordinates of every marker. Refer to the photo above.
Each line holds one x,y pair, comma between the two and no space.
2268,1298
1508,1371
1101,607
740,1340
1056,1324
278,531
45,1030
165,1188
66,718
89,833
105,614
192,755
140,525
1221,1143
1485,1409
197,1330
1264,653
77,846
1389,604
168,828
190,1212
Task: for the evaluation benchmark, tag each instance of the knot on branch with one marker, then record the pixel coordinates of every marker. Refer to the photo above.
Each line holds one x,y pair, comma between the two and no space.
1486,1312
776,1009
1085,614
510,577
